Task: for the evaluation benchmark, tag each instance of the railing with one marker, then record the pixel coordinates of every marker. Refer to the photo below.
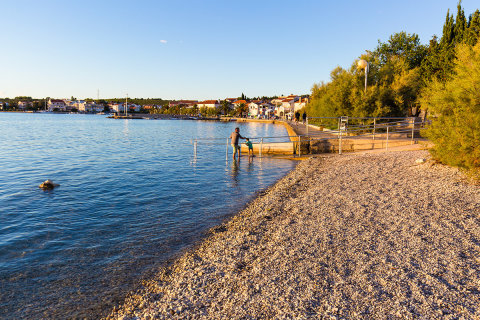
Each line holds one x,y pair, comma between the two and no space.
379,130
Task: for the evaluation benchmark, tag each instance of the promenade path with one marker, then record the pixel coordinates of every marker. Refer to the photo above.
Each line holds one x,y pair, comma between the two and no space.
301,129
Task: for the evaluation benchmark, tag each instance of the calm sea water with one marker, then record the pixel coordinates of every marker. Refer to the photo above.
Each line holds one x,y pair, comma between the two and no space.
131,196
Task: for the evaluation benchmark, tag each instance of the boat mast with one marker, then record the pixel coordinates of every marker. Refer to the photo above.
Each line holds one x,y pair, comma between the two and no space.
126,105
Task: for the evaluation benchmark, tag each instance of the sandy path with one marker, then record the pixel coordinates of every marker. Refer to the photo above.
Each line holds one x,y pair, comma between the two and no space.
364,236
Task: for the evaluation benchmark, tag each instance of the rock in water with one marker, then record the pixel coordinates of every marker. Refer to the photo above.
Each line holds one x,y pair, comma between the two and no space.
48,185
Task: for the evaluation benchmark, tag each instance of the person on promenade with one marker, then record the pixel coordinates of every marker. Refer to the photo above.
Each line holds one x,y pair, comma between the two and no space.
304,117
234,141
249,144
297,116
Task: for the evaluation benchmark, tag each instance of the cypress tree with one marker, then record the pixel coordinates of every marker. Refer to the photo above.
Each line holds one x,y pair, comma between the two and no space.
472,33
460,24
448,30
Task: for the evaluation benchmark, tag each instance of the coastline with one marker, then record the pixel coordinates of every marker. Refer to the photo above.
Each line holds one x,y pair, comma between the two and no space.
356,236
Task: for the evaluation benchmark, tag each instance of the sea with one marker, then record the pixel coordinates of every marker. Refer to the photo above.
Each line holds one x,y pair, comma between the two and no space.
132,196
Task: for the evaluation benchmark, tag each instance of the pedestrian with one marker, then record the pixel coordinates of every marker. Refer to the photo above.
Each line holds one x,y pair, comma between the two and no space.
304,117
297,116
234,142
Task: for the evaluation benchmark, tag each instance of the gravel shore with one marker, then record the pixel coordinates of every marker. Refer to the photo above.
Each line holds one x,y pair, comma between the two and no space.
361,236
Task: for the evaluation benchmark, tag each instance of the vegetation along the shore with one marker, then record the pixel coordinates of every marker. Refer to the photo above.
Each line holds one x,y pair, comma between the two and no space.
406,77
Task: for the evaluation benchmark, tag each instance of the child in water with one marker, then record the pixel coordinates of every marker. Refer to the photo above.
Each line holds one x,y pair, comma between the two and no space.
250,147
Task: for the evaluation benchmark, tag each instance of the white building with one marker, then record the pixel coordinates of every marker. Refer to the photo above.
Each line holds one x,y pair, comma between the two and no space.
117,107
56,105
300,104
258,108
79,105
209,104
22,105
254,109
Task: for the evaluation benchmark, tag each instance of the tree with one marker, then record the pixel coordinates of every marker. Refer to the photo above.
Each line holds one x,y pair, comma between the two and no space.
455,129
404,45
472,31
195,109
460,24
241,109
225,107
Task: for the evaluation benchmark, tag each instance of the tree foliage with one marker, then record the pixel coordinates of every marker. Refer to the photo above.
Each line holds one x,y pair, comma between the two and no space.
456,104
399,69
394,81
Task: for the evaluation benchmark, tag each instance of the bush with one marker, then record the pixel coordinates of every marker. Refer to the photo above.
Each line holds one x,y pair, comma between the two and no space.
455,106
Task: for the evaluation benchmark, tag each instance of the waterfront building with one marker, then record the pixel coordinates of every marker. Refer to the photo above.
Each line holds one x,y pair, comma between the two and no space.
79,105
90,107
209,104
117,107
182,103
300,104
56,105
239,102
22,105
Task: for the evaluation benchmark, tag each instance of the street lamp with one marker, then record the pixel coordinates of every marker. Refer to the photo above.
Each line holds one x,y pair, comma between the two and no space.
363,64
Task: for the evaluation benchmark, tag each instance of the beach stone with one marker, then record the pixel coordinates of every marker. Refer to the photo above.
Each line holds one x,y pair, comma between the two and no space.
354,236
48,185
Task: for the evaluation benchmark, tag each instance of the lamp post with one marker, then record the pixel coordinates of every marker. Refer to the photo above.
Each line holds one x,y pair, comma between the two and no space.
363,64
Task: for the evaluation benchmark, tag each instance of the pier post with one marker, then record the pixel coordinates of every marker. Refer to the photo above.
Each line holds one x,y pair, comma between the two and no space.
306,123
226,151
413,129
340,143
386,147
261,145
374,127
300,144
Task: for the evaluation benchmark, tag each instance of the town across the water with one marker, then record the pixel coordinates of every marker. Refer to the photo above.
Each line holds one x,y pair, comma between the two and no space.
262,108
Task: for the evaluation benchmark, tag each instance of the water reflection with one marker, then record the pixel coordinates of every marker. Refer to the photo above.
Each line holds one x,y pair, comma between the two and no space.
128,201
235,170
250,165
125,128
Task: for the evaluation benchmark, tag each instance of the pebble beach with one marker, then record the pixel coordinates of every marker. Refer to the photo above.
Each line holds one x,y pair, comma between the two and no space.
357,236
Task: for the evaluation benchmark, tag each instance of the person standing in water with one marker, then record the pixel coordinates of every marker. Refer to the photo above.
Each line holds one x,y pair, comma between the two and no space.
249,144
234,142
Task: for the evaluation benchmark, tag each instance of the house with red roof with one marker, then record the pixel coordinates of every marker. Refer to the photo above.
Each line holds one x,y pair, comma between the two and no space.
57,105
209,104
182,103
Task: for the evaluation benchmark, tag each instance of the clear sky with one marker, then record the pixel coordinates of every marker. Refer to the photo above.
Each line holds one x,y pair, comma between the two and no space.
204,49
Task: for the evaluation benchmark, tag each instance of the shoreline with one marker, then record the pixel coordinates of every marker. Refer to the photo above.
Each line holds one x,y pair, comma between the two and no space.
357,236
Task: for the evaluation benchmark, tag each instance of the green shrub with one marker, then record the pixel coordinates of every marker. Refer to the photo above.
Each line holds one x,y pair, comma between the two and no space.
455,107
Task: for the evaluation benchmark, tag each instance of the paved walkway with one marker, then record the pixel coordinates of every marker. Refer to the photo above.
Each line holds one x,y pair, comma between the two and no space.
301,129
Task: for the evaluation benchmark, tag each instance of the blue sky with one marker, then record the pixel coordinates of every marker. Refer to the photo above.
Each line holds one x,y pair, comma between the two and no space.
206,49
